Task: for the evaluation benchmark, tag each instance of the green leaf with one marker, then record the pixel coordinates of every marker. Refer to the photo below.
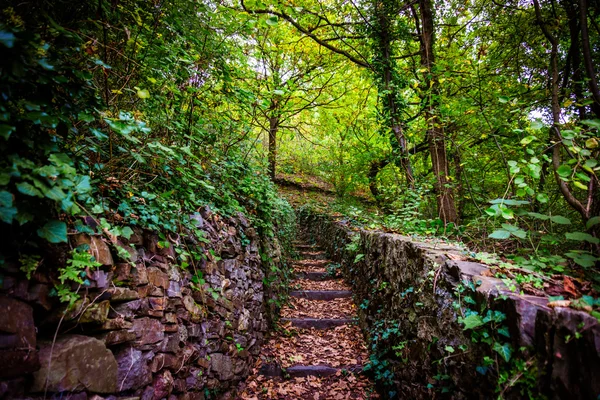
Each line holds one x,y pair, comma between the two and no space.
582,237
472,321
542,198
592,221
6,130
6,199
28,189
449,349
593,123
536,125
54,231
564,171
525,141
143,94
55,194
492,211
507,213
45,64
126,232
559,219
504,350
499,234
7,214
538,216
503,99
272,21
7,39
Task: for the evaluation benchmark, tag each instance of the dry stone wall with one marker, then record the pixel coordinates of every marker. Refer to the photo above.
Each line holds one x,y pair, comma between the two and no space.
144,330
410,289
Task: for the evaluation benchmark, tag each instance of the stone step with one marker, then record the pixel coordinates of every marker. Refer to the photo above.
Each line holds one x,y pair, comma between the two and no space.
316,276
321,294
306,247
313,255
301,371
324,323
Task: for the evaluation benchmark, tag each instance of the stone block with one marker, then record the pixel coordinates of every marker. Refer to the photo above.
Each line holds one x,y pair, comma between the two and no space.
75,363
148,330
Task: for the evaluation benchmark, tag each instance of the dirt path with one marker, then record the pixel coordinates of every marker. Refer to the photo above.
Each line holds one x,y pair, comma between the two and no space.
319,351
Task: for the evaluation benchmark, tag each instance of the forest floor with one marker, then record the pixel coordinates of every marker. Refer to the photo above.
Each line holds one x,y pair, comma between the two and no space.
318,351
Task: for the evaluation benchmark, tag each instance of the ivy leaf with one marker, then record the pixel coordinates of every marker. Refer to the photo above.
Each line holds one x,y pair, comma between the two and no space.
6,130
7,39
45,64
7,211
126,232
559,219
504,350
582,237
28,189
500,234
54,231
472,321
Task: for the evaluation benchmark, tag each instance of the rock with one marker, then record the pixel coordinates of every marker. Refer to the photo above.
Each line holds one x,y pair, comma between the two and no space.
196,312
78,363
174,289
18,341
99,279
148,330
96,313
139,274
158,278
122,272
17,318
116,324
162,385
244,321
222,365
120,294
134,368
97,247
113,338
126,310
157,303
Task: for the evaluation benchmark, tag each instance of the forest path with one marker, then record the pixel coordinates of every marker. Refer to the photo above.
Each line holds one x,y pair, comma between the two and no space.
319,351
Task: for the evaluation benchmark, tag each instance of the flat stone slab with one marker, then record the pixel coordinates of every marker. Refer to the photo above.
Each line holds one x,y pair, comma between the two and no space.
301,371
313,255
316,276
307,323
321,294
307,247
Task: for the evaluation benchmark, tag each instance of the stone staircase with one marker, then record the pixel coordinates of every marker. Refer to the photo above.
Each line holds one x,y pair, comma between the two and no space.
319,351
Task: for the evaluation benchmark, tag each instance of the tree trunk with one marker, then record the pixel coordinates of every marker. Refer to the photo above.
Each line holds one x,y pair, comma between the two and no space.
385,70
273,128
435,131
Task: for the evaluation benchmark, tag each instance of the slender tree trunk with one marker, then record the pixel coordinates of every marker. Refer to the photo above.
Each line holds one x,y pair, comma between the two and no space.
435,131
385,71
273,129
587,57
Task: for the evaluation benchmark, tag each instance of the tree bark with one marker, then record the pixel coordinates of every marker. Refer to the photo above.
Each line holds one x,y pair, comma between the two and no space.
272,157
435,131
383,36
